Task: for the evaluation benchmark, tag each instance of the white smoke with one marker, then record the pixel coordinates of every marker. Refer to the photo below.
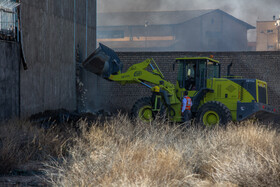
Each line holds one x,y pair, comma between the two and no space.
246,10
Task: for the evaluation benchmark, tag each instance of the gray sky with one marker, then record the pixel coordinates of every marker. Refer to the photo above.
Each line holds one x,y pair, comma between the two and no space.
247,10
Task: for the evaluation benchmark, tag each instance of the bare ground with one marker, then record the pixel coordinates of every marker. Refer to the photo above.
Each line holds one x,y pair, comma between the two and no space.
28,174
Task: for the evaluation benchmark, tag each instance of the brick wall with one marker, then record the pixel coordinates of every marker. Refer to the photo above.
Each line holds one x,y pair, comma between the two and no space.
261,65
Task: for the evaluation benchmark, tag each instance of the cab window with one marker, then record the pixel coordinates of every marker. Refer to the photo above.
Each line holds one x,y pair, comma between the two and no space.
213,70
190,76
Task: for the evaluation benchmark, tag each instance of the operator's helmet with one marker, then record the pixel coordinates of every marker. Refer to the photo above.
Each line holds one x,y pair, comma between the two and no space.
156,89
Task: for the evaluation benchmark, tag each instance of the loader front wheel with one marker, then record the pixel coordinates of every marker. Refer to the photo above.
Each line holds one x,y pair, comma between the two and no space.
142,109
213,113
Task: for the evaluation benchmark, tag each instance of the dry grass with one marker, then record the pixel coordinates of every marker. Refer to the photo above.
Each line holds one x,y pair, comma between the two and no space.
247,155
125,153
120,152
21,142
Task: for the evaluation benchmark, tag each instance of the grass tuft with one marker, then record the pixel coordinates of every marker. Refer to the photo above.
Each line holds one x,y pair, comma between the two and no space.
21,142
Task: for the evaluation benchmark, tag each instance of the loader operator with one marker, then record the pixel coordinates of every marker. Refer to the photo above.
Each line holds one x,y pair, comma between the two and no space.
186,107
191,75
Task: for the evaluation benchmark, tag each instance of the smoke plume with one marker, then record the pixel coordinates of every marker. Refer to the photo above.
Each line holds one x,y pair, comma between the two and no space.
247,10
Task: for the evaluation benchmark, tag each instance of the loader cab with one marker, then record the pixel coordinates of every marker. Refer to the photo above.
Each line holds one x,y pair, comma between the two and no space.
194,72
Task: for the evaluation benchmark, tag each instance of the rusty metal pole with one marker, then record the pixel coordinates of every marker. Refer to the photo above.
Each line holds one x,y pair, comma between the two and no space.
278,38
277,24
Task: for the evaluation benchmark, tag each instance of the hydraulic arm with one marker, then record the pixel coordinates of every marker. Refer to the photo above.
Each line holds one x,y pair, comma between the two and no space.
105,63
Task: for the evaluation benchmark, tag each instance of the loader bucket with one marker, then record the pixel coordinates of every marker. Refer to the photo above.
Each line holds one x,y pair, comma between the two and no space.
103,62
260,110
268,117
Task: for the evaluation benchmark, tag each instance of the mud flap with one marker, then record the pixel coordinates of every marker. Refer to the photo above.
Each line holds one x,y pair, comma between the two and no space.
246,110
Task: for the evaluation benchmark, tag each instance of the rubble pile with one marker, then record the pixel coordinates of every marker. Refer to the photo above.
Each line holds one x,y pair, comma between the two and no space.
63,116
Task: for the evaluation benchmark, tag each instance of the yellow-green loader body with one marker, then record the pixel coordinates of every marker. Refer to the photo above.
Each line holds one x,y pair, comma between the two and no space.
216,99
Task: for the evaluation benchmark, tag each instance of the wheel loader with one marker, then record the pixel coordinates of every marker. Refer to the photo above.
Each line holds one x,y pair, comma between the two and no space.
216,99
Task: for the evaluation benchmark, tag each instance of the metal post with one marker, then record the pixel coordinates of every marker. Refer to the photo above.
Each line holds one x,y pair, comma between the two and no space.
278,38
277,24
0,20
86,26
74,35
74,55
146,33
267,41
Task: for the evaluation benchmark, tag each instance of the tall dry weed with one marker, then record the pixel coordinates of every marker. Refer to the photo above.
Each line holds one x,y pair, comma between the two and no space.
21,142
247,155
121,152
125,153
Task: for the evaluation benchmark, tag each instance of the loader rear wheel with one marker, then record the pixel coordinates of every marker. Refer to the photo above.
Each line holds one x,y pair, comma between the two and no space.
213,113
142,109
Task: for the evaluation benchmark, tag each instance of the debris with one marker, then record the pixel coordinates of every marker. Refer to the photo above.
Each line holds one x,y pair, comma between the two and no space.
61,116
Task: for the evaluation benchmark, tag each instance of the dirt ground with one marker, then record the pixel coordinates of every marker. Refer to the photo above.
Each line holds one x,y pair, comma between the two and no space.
29,174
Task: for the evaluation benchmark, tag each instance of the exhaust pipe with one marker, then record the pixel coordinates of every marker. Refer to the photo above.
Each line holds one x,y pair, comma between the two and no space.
228,70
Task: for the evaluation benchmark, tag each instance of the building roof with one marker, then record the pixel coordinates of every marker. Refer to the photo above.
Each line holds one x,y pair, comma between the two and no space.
8,5
266,21
157,17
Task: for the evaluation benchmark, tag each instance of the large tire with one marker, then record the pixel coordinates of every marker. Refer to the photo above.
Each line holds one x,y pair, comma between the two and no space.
213,113
142,109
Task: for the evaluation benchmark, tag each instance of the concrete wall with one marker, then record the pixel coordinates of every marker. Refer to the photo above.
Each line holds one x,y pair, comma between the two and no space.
9,80
261,65
52,30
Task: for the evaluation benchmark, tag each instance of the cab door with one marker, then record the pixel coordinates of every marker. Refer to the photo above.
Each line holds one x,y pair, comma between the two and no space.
192,74
201,73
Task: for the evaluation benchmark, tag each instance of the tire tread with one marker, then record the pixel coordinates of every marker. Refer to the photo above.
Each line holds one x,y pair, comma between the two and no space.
138,104
221,109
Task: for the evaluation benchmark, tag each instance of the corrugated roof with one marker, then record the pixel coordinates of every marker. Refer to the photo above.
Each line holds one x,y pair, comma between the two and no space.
8,6
155,17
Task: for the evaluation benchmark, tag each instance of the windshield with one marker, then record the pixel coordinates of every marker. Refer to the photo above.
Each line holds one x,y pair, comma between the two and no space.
192,74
